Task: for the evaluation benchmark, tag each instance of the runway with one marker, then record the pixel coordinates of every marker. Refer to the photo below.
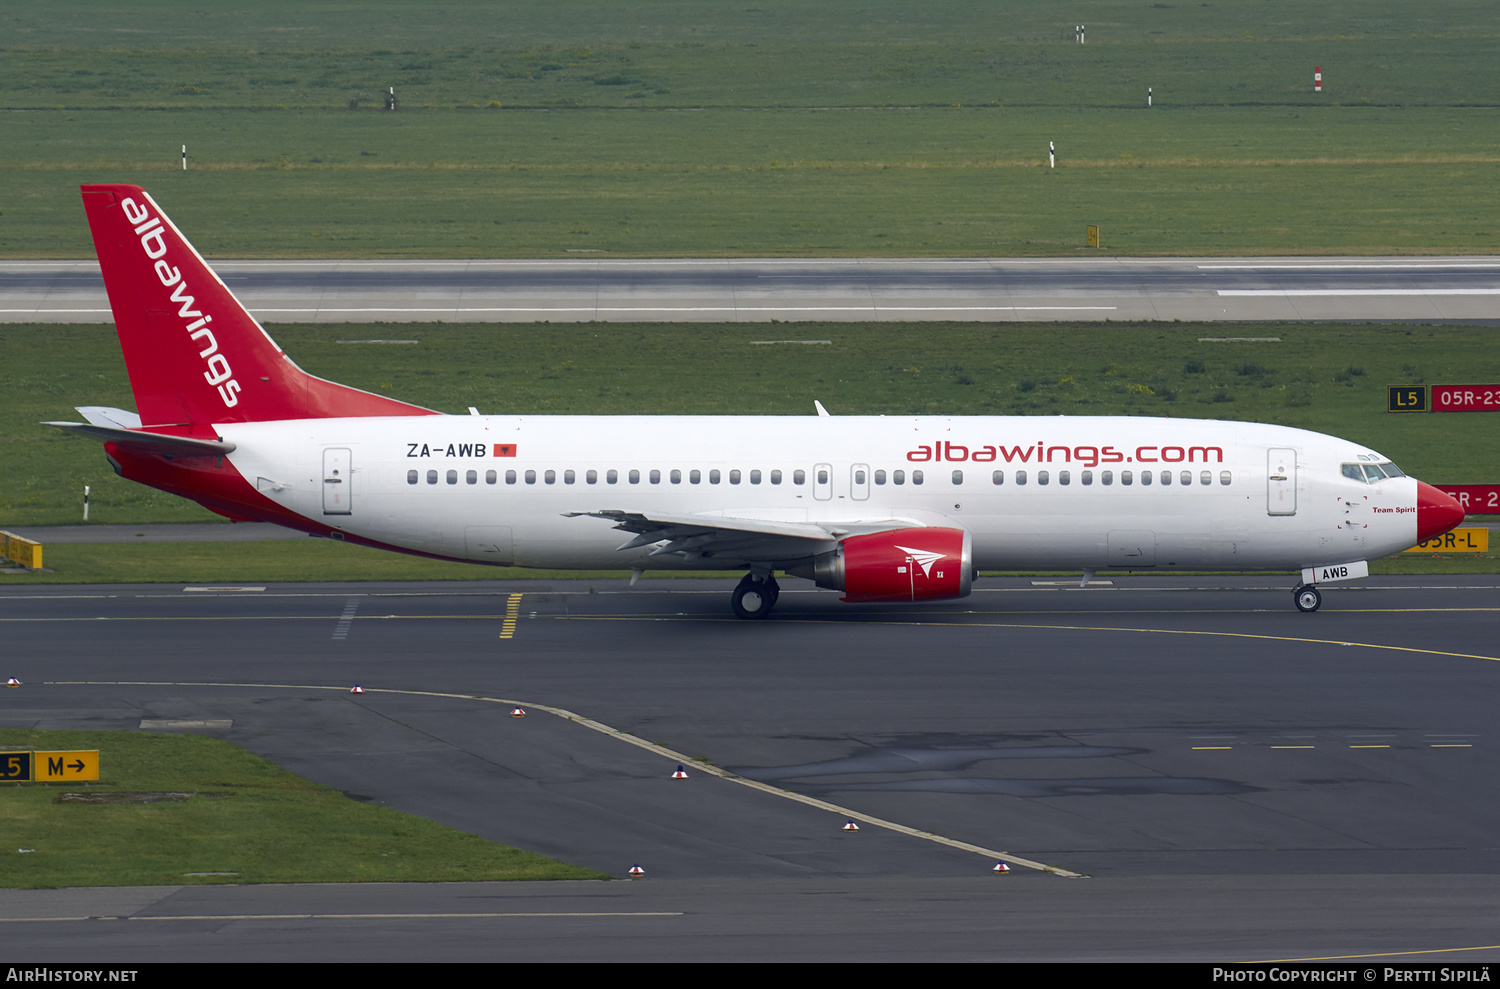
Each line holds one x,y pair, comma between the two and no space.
1459,289
1238,781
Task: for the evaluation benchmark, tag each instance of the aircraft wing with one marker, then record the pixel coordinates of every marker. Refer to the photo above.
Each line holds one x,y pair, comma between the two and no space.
734,537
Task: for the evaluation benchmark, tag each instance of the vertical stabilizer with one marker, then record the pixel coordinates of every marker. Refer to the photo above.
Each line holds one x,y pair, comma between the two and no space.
194,354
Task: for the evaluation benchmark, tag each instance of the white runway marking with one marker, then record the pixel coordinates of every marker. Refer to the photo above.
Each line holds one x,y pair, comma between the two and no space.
1356,291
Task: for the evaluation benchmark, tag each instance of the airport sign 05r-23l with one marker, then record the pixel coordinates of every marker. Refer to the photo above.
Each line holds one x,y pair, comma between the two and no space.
1445,398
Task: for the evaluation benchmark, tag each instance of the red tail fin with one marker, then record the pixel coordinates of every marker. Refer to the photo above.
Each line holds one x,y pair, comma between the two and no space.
193,353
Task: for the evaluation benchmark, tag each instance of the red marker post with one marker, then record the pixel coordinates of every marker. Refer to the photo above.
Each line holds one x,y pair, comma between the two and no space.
1317,78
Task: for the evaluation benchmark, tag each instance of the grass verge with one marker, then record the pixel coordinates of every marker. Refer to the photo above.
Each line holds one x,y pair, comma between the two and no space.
1329,378
314,560
245,821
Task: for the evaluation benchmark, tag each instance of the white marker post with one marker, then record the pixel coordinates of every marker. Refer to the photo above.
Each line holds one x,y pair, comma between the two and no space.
184,157
390,104
1148,95
1051,155
85,502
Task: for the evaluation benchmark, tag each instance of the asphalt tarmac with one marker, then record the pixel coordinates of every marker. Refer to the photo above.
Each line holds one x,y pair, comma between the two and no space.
1436,289
1230,780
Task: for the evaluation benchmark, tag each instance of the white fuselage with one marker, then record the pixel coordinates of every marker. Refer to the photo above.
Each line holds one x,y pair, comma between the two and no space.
1063,492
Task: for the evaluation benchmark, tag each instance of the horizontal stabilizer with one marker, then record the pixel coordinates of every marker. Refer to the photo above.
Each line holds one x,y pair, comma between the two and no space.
103,415
135,439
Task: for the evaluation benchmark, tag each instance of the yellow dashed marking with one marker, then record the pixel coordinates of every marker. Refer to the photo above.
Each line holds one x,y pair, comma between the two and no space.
512,609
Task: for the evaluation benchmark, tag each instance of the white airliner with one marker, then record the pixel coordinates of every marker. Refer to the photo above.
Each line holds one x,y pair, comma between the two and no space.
882,508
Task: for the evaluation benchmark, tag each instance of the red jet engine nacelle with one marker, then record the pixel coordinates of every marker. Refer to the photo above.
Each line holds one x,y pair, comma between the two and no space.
923,564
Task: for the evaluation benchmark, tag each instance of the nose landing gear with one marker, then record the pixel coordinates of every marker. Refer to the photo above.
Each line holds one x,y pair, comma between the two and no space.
1307,597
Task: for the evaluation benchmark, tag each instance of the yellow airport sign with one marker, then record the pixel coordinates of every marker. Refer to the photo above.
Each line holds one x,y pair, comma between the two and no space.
66,767
1462,540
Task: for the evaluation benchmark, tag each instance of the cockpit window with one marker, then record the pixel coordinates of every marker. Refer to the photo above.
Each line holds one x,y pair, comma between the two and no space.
1371,473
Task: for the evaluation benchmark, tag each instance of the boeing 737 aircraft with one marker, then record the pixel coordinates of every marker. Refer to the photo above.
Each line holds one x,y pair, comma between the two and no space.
882,508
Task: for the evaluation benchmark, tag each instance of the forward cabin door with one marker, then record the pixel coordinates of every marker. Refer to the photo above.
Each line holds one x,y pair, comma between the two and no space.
1281,481
338,496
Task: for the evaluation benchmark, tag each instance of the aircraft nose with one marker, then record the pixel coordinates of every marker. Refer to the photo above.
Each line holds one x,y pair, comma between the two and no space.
1436,512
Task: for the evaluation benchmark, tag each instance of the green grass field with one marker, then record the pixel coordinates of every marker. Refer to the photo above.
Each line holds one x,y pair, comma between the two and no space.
311,560
1331,378
243,820
678,128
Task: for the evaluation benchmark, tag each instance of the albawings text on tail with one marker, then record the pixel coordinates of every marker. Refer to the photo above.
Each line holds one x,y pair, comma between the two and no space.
150,230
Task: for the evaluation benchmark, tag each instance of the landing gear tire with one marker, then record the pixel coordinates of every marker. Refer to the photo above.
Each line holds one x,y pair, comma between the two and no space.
754,598
1307,598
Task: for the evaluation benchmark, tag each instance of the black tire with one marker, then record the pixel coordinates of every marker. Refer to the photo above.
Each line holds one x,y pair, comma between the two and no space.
1307,598
753,599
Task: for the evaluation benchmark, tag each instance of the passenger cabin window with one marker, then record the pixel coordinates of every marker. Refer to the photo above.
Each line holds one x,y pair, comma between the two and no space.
916,477
531,477
489,477
655,477
713,476
592,477
734,477
569,477
1043,477
879,477
676,476
411,477
1086,478
997,477
755,477
635,476
432,477
550,477
775,477
1063,477
695,477
898,477
453,477
1125,477
471,477
510,477
800,477
612,476
1106,477
958,477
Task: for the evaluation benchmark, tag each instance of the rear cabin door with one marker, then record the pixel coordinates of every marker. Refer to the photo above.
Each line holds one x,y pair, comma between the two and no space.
338,496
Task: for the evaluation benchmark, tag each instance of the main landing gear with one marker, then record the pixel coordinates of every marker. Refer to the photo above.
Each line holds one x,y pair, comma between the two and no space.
1307,597
755,595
